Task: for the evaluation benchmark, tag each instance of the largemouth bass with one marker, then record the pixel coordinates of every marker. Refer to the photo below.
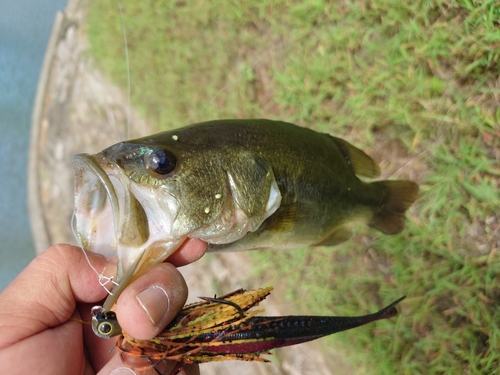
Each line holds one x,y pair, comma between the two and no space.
236,184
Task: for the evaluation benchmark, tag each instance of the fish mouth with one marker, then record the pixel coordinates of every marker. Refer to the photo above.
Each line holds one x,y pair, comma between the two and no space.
108,216
115,216
109,220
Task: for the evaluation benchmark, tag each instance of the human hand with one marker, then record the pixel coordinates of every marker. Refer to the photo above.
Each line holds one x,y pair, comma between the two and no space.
38,336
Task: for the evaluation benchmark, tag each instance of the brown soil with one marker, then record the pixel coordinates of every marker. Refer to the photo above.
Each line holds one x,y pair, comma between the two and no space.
82,111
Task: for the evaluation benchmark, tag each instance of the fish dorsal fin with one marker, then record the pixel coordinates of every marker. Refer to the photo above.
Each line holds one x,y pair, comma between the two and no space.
361,164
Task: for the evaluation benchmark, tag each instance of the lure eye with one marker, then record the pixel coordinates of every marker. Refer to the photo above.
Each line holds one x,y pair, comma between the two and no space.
159,163
104,328
105,324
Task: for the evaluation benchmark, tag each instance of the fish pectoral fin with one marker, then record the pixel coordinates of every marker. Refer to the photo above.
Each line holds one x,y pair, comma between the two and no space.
398,197
335,237
361,164
253,186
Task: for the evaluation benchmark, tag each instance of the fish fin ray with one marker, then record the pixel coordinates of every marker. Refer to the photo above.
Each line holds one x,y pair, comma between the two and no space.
398,197
335,237
361,164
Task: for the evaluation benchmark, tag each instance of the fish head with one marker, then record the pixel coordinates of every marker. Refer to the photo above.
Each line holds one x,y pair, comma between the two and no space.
141,199
126,201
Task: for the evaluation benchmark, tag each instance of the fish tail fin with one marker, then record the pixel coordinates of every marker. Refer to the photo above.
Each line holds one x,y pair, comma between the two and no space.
398,197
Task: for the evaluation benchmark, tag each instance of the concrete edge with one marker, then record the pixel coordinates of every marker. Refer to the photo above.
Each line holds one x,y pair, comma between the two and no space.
41,235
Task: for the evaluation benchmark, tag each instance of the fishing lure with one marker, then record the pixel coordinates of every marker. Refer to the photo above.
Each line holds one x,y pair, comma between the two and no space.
226,328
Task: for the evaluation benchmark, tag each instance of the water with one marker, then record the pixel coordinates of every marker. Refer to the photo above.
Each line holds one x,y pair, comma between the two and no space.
25,27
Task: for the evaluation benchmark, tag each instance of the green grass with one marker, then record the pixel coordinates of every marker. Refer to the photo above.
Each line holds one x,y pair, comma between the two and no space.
416,84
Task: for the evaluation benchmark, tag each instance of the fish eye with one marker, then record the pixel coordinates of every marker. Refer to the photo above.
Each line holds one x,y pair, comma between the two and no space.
159,163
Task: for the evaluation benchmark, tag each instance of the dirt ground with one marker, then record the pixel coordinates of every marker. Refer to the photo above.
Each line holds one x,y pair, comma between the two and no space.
83,112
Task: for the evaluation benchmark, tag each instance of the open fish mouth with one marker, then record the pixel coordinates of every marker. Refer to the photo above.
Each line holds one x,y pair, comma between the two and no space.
115,216
105,208
96,205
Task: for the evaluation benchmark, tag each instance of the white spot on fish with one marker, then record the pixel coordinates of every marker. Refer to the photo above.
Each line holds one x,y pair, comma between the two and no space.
207,210
175,137
218,196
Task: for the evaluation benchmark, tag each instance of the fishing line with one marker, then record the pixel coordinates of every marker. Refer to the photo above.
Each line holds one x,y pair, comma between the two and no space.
257,59
401,167
127,62
103,280
106,280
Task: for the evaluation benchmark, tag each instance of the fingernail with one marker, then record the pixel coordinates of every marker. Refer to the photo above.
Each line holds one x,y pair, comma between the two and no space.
123,371
155,302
